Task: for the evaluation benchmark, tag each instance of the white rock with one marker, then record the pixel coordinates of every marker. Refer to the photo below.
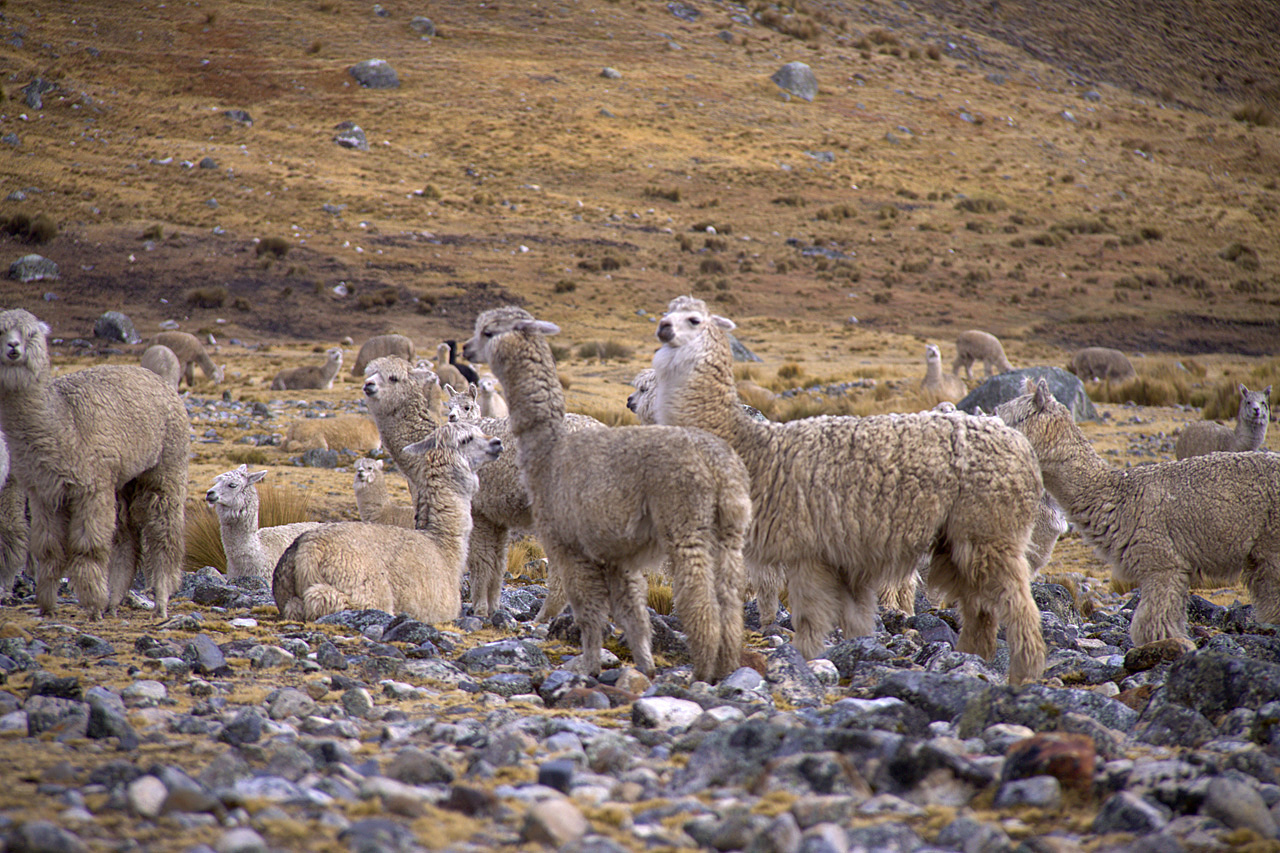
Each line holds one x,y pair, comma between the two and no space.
664,712
146,796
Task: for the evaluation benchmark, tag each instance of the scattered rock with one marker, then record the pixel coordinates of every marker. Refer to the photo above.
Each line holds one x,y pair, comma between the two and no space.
797,79
375,74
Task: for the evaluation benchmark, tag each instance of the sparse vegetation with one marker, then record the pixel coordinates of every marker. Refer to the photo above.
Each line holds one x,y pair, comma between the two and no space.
207,297
276,247
40,228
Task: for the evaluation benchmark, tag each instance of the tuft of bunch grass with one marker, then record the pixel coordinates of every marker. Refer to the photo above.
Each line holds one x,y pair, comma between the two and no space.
661,595
610,416
524,559
204,535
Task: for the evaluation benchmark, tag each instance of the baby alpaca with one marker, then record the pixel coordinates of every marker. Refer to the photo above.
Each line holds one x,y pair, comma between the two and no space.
468,372
106,483
311,376
609,503
1201,437
190,352
490,399
848,504
251,551
939,385
353,565
162,361
462,405
380,345
1102,364
1164,526
373,499
975,345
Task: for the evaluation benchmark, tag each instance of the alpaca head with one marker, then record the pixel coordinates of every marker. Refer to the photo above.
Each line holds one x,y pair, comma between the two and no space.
496,322
932,353
686,320
461,448
1041,418
386,381
367,470
641,400
235,493
462,405
1255,406
24,351
334,354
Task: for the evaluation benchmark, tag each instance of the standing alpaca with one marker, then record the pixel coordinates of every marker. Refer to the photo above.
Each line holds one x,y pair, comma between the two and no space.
190,352
14,528
1165,526
974,345
251,551
372,498
609,503
380,345
353,565
1099,364
936,384
1250,433
97,473
848,504
468,372
163,362
311,376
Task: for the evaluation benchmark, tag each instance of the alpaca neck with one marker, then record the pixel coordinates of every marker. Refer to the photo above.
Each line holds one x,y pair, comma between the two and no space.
240,540
443,509
525,367
695,386
932,372
1249,433
371,496
29,403
1071,470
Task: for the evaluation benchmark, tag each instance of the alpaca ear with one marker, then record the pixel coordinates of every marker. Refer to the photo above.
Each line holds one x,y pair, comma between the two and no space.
474,391
723,322
1028,386
44,328
1240,387
256,476
1043,395
243,469
448,389
542,327
1266,392
377,463
422,446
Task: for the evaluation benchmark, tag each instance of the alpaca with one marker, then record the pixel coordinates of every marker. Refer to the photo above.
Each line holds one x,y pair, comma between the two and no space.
975,345
251,551
1197,439
163,362
372,498
468,372
609,503
462,405
340,432
190,352
380,345
939,385
1102,364
311,376
98,474
848,504
14,526
492,405
449,375
1164,526
354,565
406,405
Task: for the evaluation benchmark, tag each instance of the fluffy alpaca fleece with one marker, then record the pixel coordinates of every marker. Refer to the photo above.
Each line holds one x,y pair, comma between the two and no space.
406,404
106,483
190,352
609,503
936,384
975,345
462,405
1197,439
1094,364
373,500
448,373
380,345
848,504
251,551
162,361
340,432
354,565
310,377
1166,526
13,524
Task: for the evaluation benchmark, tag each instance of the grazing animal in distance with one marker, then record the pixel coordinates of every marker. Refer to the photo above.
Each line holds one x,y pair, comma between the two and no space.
311,376
975,345
1102,364
380,345
190,352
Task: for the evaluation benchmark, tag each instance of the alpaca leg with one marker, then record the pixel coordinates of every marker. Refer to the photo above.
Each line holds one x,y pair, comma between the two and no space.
698,603
90,531
47,537
557,599
486,562
901,595
588,593
321,599
857,610
768,581
1162,612
728,581
1263,582
159,515
816,594
978,628
628,596
14,540
123,564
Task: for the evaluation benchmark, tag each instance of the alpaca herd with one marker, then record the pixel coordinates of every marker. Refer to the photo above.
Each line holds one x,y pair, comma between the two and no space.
833,511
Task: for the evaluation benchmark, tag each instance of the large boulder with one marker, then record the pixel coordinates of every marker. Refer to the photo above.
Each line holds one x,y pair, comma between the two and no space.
115,326
1066,387
33,268
375,74
797,79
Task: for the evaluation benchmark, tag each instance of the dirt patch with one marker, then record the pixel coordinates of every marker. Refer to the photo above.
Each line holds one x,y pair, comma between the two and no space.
1188,334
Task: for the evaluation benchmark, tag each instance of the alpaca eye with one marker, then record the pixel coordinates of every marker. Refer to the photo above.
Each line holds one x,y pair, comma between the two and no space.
694,321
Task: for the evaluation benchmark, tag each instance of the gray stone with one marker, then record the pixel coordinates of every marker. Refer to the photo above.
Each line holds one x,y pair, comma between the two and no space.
797,79
740,351
971,836
1065,386
379,835
290,702
33,93
611,74
664,712
1044,792
351,135
781,835
507,684
414,766
1042,708
375,74
239,116
1239,806
789,674
268,657
246,727
242,839
115,326
146,796
941,696
41,836
1126,811
107,718
1212,683
505,656
555,822
33,268
61,717
424,27
144,694
357,702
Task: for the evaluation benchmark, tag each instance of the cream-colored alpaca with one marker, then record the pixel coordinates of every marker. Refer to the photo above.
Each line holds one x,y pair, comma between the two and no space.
357,566
975,345
373,498
937,385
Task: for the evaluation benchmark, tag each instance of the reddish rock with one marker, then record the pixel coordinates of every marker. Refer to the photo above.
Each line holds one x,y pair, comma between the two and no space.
1136,698
1070,758
1142,658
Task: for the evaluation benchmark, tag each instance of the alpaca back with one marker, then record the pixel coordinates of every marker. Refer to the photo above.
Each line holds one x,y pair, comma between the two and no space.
976,345
162,361
190,352
1102,363
383,345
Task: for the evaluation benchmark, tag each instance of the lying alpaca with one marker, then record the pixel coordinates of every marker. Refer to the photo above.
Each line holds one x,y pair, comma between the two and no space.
251,551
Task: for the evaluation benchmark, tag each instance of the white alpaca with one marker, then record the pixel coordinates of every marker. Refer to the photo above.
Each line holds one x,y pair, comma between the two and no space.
975,345
251,551
939,385
190,352
162,361
490,399
373,500
1250,433
311,376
